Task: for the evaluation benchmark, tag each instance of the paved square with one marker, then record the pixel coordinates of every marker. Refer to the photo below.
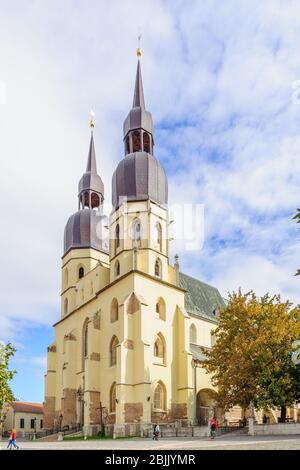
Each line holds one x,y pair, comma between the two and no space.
220,443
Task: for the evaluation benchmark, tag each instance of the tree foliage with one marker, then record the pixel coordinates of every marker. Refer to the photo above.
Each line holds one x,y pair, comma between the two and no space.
252,360
6,395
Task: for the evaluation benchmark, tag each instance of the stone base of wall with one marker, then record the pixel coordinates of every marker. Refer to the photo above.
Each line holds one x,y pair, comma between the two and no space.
49,412
146,430
133,412
68,407
277,429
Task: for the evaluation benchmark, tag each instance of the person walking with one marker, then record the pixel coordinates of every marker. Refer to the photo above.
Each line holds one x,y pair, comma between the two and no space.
156,432
12,440
213,427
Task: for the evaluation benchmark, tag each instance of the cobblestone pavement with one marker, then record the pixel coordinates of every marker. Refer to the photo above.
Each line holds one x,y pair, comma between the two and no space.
221,443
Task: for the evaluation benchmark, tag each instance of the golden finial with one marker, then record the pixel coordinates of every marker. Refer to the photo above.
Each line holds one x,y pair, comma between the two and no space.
92,120
139,50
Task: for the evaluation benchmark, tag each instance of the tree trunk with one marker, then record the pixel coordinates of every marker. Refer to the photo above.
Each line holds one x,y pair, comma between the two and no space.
282,414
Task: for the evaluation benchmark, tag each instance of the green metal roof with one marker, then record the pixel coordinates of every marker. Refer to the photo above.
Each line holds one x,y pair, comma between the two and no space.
200,299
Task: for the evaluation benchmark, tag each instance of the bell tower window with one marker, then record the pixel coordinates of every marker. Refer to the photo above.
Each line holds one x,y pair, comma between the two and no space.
136,141
146,142
127,145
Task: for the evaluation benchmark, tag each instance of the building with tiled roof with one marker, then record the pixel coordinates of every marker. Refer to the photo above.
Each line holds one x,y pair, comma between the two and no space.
25,417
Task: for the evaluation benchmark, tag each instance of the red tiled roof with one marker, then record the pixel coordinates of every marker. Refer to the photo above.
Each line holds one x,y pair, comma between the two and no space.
27,407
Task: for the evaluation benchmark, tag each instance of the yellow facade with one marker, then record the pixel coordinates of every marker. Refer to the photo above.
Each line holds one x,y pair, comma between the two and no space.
79,376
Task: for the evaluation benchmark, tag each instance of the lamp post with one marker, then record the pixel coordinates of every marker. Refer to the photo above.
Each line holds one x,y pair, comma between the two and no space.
60,421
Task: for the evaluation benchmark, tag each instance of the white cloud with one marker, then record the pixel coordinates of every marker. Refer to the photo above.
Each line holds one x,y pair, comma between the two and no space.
222,73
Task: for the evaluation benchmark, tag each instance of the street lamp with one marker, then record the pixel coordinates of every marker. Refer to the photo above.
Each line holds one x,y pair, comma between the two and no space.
60,421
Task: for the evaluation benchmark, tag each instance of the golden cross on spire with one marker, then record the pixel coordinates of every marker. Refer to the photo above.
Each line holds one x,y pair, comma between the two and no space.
139,50
92,120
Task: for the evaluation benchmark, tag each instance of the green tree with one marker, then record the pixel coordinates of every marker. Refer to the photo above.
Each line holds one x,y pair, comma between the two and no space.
6,395
252,361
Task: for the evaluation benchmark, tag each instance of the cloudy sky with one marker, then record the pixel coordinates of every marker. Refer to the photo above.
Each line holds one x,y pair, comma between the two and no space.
222,80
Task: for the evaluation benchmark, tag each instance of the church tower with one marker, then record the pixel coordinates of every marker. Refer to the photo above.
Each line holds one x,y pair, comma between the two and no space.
139,221
86,234
127,343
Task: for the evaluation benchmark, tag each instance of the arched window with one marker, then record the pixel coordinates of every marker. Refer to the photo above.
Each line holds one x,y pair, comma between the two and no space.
113,350
193,334
146,142
86,200
65,278
157,268
80,272
95,200
127,145
66,306
136,141
114,311
117,268
158,236
91,288
160,397
161,309
112,398
160,349
117,235
136,230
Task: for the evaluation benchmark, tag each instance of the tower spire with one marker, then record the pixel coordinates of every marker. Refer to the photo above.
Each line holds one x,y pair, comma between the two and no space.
91,163
138,125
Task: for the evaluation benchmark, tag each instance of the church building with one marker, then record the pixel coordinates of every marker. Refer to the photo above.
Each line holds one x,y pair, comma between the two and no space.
127,345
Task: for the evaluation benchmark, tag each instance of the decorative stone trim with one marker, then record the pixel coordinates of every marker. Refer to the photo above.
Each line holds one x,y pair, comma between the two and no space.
96,321
128,344
70,337
52,348
95,356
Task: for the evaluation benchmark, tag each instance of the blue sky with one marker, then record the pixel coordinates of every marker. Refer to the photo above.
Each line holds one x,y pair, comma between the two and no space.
221,80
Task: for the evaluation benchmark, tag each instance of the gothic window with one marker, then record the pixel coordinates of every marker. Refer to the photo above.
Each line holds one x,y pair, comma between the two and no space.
136,141
161,309
136,230
80,272
112,398
117,235
117,268
113,350
158,235
66,306
114,312
160,397
157,268
160,348
146,142
193,334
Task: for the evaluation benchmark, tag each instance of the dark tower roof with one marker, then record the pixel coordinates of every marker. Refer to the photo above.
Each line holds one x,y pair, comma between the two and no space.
139,176
91,181
87,227
138,117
